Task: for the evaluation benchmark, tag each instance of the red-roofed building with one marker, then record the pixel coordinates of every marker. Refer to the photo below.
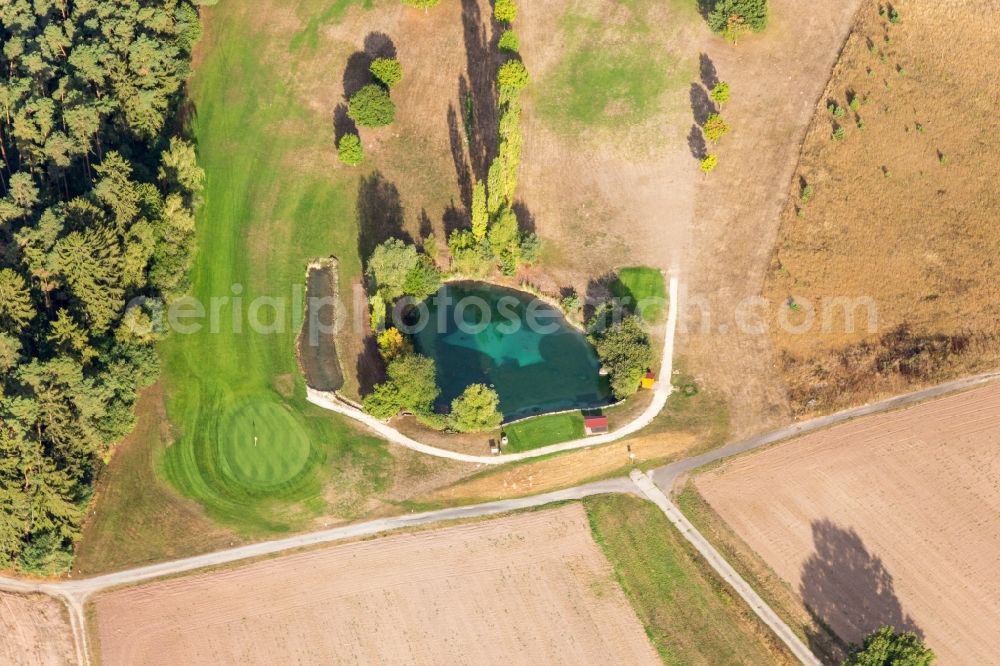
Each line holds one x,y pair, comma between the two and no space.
595,425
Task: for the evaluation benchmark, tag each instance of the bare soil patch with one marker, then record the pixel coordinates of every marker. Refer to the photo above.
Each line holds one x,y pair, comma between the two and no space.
35,630
885,520
903,212
531,588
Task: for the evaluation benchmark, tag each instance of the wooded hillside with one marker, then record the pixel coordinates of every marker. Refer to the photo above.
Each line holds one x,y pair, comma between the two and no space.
97,193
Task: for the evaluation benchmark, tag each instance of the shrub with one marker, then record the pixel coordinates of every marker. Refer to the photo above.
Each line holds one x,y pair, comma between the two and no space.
387,70
570,303
836,110
349,150
505,11
715,127
855,103
625,351
371,107
509,42
861,123
885,647
392,344
720,93
469,257
709,163
396,269
414,376
806,194
838,133
383,401
512,77
733,17
894,16
476,410
412,384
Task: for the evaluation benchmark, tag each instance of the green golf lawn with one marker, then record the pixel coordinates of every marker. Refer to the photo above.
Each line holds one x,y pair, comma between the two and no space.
644,289
543,430
248,446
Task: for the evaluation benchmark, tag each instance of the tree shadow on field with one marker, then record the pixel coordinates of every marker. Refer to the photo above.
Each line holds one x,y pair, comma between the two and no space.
462,170
525,218
356,74
480,87
455,218
370,367
380,214
342,123
706,68
696,143
701,104
848,591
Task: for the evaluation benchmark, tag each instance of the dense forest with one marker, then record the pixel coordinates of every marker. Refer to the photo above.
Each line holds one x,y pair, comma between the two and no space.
98,188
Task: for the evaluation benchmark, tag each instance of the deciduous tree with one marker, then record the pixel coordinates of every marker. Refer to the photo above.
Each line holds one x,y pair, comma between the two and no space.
476,410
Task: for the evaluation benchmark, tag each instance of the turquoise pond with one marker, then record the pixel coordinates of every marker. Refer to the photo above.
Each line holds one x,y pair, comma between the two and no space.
479,333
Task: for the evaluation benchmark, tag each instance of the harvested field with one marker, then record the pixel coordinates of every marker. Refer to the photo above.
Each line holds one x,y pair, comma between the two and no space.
35,630
885,520
526,589
899,216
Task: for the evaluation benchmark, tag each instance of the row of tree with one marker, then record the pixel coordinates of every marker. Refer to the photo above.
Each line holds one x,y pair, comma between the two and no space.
97,196
495,238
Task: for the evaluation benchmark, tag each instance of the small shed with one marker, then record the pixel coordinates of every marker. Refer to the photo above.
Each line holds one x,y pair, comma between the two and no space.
595,425
649,381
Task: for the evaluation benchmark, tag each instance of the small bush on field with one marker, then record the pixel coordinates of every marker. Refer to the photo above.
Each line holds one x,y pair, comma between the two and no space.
349,150
505,11
512,77
838,133
731,18
371,107
709,163
806,194
836,110
387,70
509,41
855,103
720,93
715,127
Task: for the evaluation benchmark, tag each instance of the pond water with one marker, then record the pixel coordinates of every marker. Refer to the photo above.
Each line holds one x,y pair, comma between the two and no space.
512,341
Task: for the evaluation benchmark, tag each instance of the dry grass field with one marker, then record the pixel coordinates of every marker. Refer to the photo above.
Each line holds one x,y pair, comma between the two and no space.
903,211
531,588
884,520
35,631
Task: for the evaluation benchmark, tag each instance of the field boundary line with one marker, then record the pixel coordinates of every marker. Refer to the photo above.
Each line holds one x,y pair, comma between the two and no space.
664,388
724,569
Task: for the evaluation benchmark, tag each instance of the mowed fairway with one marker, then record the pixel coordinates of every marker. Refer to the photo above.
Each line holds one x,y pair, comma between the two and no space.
890,519
531,588
248,446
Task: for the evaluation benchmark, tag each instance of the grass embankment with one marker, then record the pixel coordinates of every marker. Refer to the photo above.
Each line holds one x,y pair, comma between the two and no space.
690,615
544,430
610,76
249,447
643,290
